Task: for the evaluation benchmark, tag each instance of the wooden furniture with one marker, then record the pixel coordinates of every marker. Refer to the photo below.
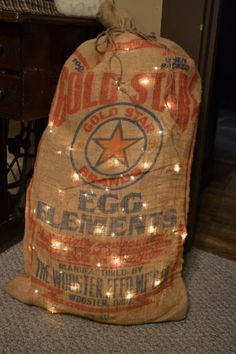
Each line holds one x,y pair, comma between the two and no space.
33,49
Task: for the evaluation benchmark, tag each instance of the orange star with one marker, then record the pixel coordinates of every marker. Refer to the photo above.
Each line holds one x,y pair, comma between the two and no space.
115,147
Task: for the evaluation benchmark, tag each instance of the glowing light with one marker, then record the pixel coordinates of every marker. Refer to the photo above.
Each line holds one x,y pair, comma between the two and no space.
161,132
144,81
48,222
156,68
109,293
127,49
184,235
107,189
116,260
152,229
56,244
126,257
33,247
65,249
168,105
36,291
146,165
140,218
47,207
60,191
145,205
50,124
75,287
177,168
132,178
61,272
99,265
75,177
34,211
113,234
99,230
50,131
59,152
157,282
116,162
52,309
123,210
129,295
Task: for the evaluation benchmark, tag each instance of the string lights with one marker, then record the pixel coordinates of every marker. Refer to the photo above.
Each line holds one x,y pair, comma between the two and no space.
110,186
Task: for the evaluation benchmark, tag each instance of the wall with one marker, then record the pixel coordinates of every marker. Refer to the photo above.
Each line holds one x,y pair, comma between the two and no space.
147,13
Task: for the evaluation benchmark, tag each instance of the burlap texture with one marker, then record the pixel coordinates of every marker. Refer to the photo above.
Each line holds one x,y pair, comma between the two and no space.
112,16
107,205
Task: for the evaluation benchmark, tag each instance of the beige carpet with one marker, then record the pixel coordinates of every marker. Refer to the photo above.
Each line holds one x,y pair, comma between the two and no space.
209,328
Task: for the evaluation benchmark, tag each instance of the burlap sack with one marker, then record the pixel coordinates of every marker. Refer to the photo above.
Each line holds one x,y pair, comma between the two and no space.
107,205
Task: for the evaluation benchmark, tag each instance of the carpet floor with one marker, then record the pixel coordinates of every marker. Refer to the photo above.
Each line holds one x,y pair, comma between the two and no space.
209,328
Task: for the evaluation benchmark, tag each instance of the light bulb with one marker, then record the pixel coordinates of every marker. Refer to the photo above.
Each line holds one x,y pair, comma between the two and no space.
56,244
75,287
116,260
99,230
177,168
75,177
184,235
116,162
99,265
36,291
144,81
151,229
168,105
146,165
52,309
129,295
157,282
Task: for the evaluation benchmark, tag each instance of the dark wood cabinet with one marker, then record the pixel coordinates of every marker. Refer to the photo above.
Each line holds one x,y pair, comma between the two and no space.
33,49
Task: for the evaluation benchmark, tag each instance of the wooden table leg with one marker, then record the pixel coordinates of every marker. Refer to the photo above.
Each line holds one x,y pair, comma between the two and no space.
3,171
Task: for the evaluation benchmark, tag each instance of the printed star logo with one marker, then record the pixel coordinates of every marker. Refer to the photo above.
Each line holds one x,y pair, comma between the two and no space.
116,146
